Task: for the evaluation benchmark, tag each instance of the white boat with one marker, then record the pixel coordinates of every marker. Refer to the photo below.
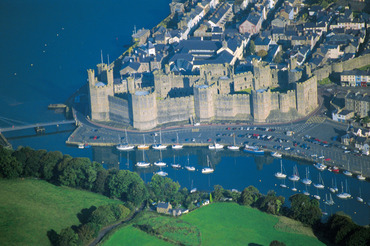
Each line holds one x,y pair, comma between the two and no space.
280,174
160,164
344,195
347,172
161,173
143,146
294,189
306,180
188,167
253,150
329,201
306,193
317,197
320,166
295,176
233,147
126,146
207,169
174,164
334,188
359,198
360,177
276,154
283,185
320,184
193,190
216,146
159,146
81,146
143,163
177,146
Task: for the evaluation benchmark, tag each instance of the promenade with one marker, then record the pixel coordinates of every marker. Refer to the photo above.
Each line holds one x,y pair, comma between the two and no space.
317,127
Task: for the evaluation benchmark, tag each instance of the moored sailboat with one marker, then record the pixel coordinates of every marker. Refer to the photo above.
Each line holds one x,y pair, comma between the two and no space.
125,146
143,146
216,146
306,180
177,145
207,169
159,146
143,163
295,176
188,167
233,147
347,172
320,184
280,174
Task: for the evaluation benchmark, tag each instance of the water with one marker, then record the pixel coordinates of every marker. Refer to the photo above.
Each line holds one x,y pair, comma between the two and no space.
47,47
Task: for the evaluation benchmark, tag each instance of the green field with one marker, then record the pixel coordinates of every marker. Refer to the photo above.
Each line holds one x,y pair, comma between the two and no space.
29,208
130,235
228,224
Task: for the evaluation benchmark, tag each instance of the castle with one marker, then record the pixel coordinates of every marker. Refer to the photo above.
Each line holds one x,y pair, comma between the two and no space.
216,93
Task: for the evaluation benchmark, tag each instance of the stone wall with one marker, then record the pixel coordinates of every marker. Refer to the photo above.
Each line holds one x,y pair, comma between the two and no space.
339,67
119,110
175,109
243,81
231,107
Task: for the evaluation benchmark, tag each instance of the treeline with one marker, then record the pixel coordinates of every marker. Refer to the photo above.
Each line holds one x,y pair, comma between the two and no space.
302,207
92,221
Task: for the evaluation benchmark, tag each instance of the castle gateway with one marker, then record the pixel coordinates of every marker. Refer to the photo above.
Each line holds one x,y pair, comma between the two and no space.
215,94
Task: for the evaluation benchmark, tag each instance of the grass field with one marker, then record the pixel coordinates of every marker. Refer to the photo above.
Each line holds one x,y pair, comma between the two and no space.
223,223
228,224
29,208
130,235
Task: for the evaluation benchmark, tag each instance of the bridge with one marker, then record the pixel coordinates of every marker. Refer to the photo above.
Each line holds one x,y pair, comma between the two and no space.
37,125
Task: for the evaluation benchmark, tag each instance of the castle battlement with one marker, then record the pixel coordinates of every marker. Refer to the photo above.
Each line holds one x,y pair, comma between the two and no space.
211,95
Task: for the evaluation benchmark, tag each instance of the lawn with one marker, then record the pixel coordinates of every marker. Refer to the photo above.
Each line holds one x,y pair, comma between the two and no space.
29,208
225,223
130,235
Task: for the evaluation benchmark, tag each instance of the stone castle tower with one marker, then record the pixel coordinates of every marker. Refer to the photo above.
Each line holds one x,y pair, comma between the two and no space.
100,88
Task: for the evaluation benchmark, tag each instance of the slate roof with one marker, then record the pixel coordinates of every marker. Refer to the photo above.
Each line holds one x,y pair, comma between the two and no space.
197,45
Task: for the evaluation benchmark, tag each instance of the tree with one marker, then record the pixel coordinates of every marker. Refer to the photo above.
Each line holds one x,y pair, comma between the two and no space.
305,210
67,237
48,163
271,203
163,189
10,167
249,195
251,48
136,193
262,53
99,185
218,193
87,232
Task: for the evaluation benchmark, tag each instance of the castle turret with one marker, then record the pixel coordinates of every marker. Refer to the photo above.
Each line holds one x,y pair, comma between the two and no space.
204,102
99,91
261,105
262,75
144,109
306,96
